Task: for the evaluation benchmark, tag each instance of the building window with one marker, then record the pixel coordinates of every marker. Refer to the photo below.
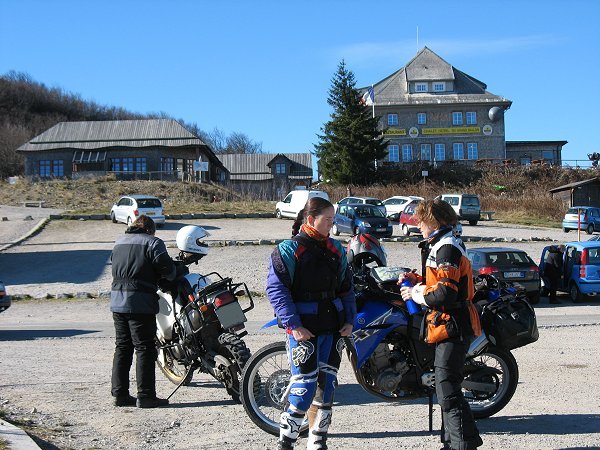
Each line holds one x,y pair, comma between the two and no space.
421,87
280,168
426,152
440,152
548,155
393,153
166,165
472,150
471,118
459,152
457,118
127,164
421,118
115,164
392,119
58,168
45,169
439,87
407,152
140,165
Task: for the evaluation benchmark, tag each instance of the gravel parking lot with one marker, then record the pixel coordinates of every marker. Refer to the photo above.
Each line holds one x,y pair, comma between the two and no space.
55,355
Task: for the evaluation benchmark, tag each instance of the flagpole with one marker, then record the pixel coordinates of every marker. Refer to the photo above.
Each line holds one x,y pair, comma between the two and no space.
373,102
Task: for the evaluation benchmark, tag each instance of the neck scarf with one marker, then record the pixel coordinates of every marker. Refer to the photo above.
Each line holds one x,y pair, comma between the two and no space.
312,232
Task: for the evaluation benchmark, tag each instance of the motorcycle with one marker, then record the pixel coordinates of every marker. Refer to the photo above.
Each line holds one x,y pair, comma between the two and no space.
389,359
200,323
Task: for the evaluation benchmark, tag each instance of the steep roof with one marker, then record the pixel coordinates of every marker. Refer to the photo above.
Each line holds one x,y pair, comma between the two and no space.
257,166
428,66
92,135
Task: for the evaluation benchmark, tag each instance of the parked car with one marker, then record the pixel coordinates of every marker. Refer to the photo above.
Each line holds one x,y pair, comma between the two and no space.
581,269
293,203
130,207
507,264
355,219
589,219
408,224
4,298
466,206
395,204
361,200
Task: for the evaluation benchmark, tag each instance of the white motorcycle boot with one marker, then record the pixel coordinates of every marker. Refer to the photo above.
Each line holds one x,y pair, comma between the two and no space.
289,429
317,434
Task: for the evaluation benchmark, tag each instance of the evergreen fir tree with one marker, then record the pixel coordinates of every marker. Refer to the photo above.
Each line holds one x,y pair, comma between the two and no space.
351,142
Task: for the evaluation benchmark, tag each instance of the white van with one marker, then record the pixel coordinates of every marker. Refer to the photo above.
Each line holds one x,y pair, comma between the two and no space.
466,206
295,201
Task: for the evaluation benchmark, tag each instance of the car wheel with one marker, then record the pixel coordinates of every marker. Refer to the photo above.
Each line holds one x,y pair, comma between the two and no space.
405,230
335,230
129,221
113,218
533,298
278,214
590,229
473,222
575,293
566,230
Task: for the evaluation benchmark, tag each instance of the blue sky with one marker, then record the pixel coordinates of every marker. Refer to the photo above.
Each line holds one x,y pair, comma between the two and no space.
264,68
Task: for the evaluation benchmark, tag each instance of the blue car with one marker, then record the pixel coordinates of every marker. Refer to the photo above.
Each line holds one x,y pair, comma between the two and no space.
360,218
589,219
581,269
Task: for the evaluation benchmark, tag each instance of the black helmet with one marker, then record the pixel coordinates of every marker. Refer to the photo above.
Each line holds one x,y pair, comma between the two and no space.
364,249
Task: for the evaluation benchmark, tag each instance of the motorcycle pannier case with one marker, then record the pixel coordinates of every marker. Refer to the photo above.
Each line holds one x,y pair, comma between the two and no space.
510,322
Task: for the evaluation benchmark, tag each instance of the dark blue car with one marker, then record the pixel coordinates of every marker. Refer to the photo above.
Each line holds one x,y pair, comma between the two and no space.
359,218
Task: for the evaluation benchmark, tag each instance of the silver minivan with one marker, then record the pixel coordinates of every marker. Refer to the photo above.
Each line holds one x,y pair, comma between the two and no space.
466,206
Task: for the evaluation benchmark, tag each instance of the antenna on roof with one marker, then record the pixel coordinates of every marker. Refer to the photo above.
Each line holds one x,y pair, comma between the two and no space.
417,38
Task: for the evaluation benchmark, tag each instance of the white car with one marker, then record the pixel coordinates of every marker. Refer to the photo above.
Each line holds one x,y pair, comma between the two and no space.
397,203
360,201
293,203
130,207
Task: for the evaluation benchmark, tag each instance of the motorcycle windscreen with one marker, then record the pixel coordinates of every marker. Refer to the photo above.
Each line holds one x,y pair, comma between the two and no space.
372,324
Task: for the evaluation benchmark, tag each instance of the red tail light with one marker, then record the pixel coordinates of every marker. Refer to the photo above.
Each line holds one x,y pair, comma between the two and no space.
488,270
136,212
224,298
534,269
584,261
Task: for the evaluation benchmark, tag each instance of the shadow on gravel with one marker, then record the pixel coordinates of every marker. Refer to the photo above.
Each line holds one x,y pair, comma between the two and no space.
30,335
175,404
559,424
178,225
70,266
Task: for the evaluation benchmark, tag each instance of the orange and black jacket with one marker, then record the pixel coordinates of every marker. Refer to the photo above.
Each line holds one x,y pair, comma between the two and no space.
447,288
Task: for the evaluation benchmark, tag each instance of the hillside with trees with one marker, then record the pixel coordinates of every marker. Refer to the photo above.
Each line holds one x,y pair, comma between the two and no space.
28,108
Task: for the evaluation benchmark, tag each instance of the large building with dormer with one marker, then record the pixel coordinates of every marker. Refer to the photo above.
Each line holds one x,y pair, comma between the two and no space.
431,111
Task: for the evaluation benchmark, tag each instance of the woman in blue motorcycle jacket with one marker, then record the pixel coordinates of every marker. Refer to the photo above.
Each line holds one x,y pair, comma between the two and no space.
310,288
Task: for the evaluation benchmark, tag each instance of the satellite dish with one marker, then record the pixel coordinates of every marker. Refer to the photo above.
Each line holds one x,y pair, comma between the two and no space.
495,113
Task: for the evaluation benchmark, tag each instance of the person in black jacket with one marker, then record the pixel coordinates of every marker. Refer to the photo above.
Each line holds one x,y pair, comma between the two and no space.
553,271
139,260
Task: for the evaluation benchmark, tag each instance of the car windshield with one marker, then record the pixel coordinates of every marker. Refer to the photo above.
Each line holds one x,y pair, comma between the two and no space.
148,203
507,258
470,201
575,210
368,211
374,201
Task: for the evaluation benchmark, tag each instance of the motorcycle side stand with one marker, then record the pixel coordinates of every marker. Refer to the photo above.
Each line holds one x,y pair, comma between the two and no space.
430,398
181,383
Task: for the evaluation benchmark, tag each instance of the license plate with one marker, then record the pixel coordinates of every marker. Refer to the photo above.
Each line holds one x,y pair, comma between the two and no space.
149,213
230,315
381,229
514,275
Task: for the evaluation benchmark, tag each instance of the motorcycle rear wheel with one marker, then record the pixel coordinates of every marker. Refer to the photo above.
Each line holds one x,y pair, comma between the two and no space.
498,387
264,381
168,365
234,349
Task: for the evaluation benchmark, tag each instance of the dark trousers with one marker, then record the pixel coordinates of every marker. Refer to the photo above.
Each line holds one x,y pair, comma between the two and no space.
134,332
459,431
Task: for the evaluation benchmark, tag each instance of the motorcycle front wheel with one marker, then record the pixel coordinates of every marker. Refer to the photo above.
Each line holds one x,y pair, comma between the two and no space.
171,368
490,381
264,382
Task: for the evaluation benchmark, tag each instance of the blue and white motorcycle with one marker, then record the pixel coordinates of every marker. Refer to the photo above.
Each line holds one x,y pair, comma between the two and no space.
389,359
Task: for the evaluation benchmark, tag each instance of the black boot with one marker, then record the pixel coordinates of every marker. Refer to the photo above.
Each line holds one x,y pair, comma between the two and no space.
285,444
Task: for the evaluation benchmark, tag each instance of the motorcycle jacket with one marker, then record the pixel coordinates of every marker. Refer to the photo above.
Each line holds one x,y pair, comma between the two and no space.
447,289
309,284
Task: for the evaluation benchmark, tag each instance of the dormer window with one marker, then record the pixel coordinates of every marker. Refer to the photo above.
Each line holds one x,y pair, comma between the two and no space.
420,87
280,168
440,86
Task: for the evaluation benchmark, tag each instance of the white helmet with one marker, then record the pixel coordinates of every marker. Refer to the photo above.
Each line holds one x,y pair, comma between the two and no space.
189,239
